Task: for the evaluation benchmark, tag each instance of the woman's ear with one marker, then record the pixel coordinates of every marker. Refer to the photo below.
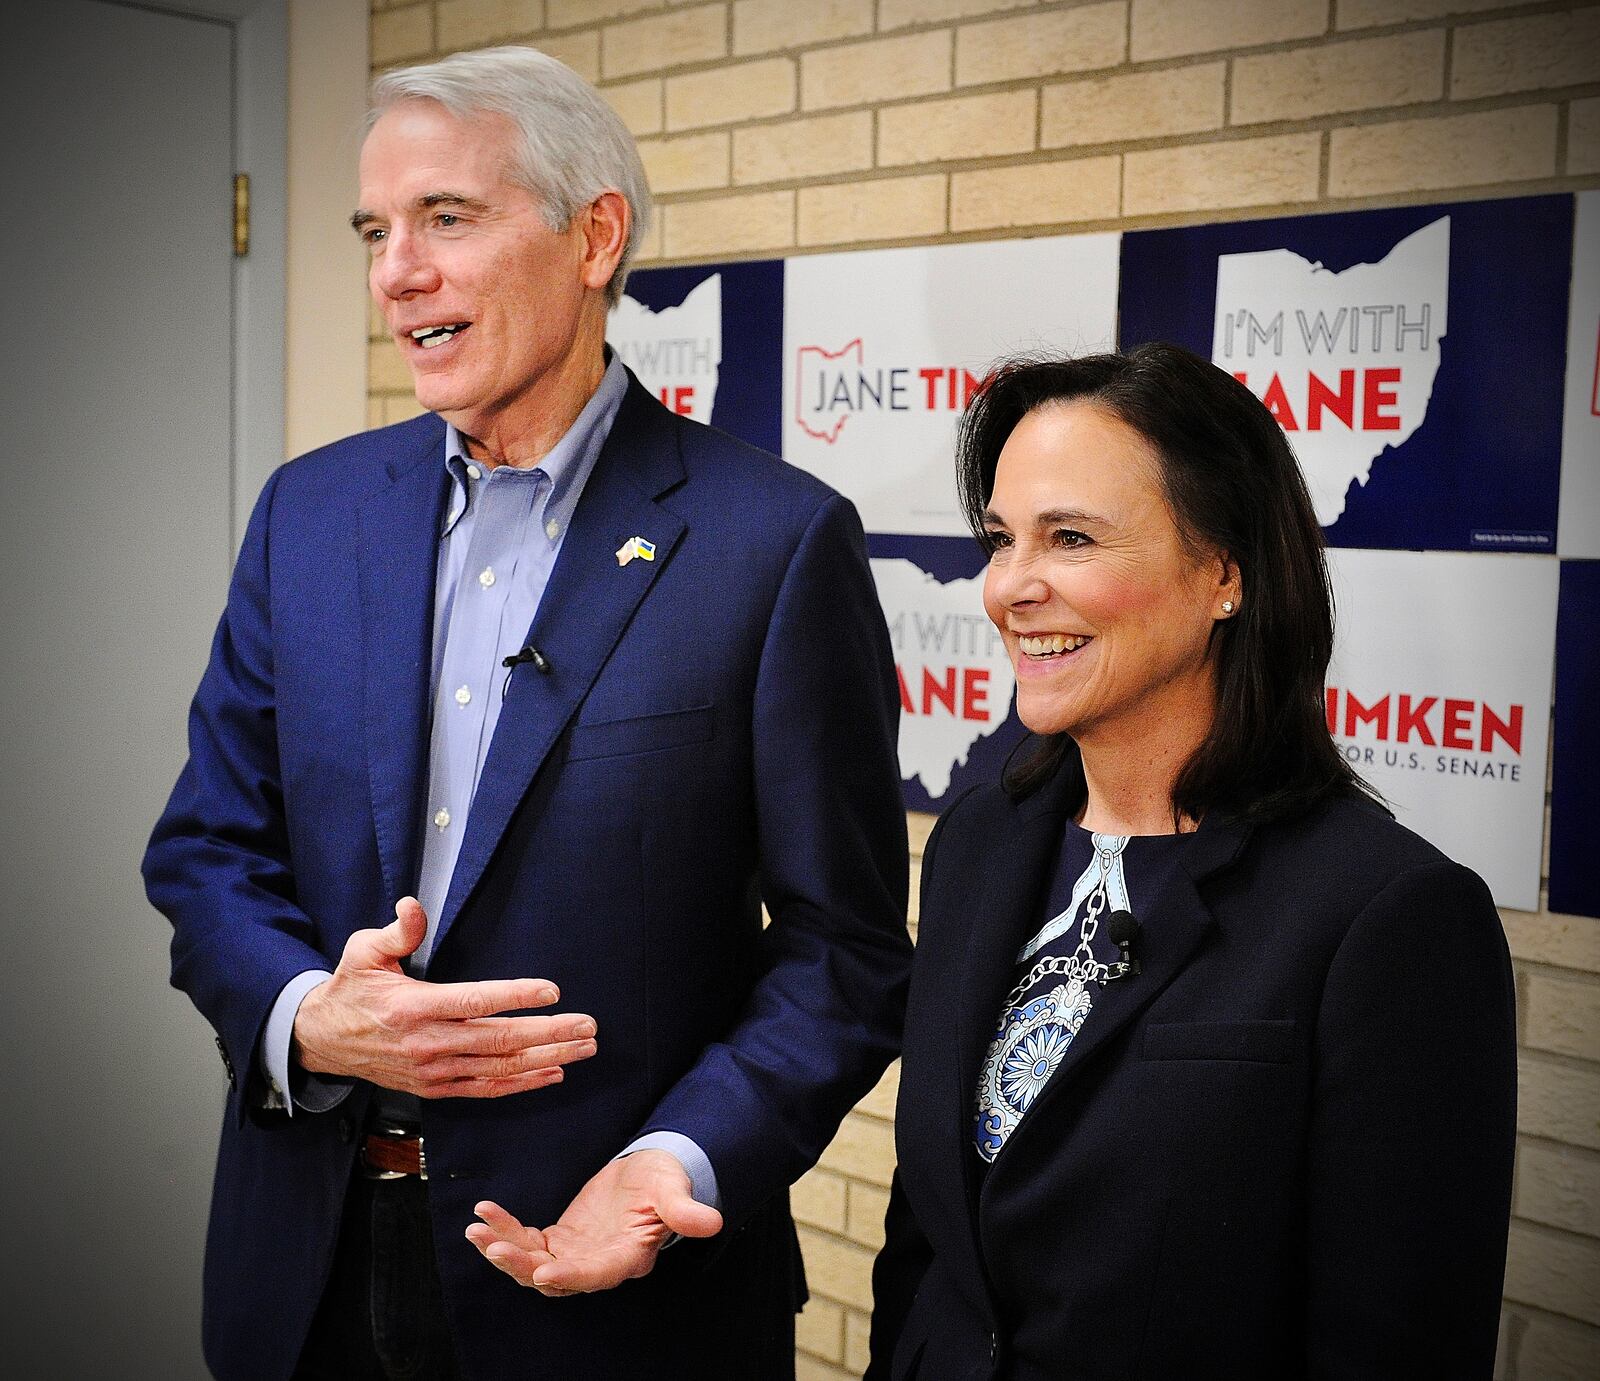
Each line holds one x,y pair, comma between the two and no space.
1229,595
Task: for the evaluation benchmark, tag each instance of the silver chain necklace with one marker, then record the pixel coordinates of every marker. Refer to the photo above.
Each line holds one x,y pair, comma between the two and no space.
1081,963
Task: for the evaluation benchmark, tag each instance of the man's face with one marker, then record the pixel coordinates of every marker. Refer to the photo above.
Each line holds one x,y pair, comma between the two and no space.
488,305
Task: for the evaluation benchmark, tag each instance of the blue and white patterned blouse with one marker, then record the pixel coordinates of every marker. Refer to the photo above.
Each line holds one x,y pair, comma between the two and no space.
1038,1023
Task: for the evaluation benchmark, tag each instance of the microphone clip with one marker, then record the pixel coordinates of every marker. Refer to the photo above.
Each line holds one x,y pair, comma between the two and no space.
1123,930
530,653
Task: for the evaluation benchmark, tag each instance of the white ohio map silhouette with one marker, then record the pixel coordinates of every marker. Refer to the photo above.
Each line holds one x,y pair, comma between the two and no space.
676,352
939,628
1280,315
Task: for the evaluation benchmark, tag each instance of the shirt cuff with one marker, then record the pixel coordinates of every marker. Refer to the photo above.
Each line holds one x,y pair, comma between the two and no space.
695,1162
290,1088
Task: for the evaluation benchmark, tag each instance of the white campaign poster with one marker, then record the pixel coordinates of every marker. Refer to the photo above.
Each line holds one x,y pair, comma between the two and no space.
882,350
1439,695
676,352
1579,527
956,681
1344,360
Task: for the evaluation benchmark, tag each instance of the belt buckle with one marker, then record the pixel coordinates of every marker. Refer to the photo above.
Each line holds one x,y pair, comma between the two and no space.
395,1132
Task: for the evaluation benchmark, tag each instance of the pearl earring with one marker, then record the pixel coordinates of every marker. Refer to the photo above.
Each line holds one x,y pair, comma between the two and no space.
1227,606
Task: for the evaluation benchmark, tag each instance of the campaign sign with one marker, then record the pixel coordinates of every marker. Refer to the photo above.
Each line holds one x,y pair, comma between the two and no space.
1439,696
883,349
1413,356
1580,434
1574,785
957,688
707,343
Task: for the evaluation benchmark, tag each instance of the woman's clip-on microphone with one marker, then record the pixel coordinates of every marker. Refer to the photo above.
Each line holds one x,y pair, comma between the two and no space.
1123,930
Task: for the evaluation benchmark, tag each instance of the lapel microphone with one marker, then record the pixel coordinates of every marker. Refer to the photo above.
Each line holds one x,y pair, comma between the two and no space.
1123,930
528,654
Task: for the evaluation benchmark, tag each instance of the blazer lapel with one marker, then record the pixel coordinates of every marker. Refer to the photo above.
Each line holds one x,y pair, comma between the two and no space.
1004,912
584,611
397,547
1180,921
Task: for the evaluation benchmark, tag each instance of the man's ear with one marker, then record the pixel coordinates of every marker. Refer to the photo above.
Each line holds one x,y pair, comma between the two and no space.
606,222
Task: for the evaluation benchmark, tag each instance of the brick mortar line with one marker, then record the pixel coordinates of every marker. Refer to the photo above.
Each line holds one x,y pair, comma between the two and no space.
803,46
963,21
1544,1223
1127,67
1533,1049
1513,11
896,173
1440,108
700,68
1554,1059
1077,153
1329,38
1588,1154
1332,37
1588,978
1161,220
1548,1314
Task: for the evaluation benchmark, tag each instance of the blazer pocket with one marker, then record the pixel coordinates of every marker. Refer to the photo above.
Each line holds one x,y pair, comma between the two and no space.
1263,1042
646,734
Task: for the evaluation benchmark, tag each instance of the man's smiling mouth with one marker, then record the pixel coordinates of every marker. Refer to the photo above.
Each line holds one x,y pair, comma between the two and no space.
429,336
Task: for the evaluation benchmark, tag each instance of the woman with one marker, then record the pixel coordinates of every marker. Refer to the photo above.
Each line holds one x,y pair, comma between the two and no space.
1262,1127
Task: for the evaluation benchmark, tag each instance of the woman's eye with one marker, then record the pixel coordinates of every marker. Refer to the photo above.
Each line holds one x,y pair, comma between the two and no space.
998,540
1066,537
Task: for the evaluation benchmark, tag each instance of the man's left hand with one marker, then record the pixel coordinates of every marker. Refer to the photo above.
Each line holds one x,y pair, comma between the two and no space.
610,1233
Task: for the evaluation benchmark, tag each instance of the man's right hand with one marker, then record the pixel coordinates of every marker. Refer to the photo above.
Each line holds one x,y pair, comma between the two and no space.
373,1021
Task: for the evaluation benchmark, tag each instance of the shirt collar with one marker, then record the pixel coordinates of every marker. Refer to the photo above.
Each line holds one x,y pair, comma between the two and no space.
570,460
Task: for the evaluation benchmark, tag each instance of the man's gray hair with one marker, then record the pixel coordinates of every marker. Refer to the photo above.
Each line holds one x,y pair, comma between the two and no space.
573,145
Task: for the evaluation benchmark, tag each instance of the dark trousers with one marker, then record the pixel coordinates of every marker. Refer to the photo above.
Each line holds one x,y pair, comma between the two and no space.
382,1314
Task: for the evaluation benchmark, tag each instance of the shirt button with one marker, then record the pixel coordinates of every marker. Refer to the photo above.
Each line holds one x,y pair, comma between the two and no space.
463,696
441,818
552,529
474,473
486,577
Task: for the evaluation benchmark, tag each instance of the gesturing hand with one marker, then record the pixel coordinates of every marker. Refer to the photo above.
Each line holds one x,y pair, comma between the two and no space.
610,1233
373,1021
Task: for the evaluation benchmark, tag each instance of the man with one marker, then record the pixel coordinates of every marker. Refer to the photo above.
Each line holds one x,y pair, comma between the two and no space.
593,682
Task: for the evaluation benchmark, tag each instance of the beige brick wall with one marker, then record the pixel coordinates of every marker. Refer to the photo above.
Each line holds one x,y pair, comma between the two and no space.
791,126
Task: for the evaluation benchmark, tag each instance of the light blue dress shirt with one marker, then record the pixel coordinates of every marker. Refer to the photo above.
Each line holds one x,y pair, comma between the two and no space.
502,533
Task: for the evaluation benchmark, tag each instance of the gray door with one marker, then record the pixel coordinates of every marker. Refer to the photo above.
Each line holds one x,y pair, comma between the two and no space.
114,552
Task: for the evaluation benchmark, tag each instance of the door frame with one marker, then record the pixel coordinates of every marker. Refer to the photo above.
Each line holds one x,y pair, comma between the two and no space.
260,30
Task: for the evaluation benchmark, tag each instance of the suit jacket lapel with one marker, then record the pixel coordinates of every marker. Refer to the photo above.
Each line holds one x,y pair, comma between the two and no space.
1005,910
995,892
1179,923
585,608
397,549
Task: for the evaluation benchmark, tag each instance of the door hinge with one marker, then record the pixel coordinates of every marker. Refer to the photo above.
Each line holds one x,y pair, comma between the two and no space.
241,215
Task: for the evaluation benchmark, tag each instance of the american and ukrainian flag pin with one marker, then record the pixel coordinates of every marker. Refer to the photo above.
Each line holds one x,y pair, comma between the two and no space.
635,546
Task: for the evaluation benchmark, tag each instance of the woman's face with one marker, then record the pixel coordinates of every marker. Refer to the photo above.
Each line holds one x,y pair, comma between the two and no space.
1106,615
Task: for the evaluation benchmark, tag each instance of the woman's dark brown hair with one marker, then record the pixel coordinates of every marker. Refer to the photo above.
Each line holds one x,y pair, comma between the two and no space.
1233,486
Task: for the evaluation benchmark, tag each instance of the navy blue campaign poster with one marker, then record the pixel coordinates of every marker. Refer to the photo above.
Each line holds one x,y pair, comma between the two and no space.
958,723
1575,780
1415,356
708,341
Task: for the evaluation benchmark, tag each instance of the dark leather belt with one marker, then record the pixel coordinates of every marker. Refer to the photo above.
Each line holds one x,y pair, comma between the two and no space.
391,1154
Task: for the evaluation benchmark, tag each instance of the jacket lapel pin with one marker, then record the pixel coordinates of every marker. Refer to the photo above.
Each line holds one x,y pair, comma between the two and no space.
636,546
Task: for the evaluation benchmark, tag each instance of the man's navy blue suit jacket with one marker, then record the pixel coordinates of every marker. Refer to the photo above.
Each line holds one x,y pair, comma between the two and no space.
717,729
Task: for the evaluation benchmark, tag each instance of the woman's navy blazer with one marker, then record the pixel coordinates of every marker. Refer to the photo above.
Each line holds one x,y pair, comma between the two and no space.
1282,1150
